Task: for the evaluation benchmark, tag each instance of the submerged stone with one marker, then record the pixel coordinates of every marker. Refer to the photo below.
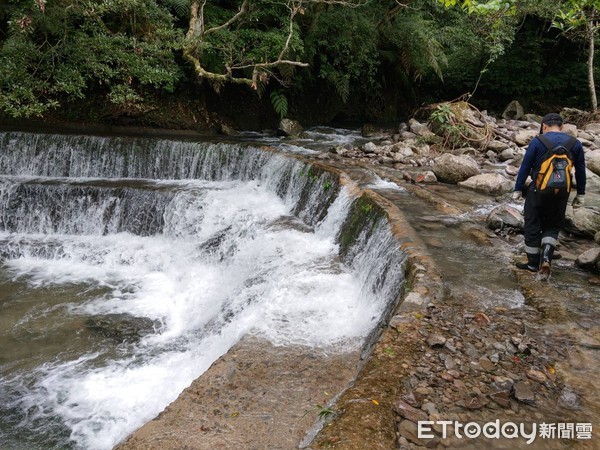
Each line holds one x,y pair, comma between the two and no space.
122,327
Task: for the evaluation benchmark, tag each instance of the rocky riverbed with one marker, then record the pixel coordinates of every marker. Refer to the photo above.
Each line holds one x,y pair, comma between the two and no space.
479,355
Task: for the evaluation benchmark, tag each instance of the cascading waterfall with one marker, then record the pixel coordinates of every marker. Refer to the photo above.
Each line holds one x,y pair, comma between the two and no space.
195,244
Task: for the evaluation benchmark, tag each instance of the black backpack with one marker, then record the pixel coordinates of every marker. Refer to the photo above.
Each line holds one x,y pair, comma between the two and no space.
554,177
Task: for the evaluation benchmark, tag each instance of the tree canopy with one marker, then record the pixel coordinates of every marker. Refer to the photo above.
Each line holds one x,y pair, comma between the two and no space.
132,53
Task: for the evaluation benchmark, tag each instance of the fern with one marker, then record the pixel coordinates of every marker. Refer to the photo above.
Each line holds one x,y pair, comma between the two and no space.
287,72
280,103
261,86
342,86
180,7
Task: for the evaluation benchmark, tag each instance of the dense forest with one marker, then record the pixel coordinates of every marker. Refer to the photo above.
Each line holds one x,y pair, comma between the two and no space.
190,63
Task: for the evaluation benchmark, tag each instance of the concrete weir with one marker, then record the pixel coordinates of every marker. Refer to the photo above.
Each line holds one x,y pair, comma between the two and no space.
260,396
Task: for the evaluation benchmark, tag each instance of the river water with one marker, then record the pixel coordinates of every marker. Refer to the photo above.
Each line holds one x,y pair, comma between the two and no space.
130,265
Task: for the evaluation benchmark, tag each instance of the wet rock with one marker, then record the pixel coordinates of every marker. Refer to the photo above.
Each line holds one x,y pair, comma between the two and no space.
227,130
569,399
288,127
505,216
524,393
409,412
369,147
371,131
589,259
511,170
426,177
122,327
342,149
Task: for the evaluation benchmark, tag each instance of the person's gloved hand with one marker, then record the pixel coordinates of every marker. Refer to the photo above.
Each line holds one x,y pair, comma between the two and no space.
578,201
517,195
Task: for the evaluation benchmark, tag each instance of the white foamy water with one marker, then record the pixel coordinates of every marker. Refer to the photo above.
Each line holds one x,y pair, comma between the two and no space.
380,183
201,243
222,267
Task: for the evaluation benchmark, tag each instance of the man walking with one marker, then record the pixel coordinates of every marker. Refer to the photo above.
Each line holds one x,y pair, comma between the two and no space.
545,212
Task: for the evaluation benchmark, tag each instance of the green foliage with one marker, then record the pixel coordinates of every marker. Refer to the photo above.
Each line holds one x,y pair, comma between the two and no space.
280,103
372,59
257,37
443,115
123,48
576,16
324,412
453,130
181,8
350,58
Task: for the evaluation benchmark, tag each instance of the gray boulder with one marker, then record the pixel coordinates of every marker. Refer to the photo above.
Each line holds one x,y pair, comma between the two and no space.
583,221
514,111
522,137
589,260
490,183
450,168
593,127
505,216
594,164
570,129
288,127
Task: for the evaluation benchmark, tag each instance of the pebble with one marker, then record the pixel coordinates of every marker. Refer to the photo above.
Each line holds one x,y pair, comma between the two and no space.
524,393
446,376
408,412
409,430
501,397
536,375
429,408
436,340
486,364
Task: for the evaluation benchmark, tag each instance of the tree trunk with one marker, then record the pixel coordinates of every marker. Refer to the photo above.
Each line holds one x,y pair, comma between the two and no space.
591,37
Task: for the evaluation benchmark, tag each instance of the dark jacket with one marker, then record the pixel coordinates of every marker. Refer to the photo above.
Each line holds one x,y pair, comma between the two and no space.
534,156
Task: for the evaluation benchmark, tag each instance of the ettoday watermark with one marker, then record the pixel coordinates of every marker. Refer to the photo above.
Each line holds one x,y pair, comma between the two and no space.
507,430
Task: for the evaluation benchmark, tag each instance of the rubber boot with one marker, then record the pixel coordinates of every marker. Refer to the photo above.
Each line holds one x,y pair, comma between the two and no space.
546,260
532,264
